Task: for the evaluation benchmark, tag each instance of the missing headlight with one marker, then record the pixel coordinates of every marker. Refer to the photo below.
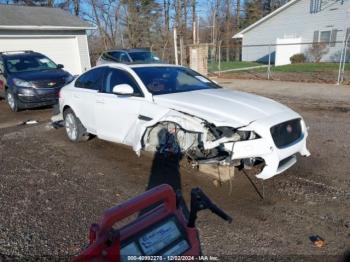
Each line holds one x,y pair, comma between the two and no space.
247,135
220,132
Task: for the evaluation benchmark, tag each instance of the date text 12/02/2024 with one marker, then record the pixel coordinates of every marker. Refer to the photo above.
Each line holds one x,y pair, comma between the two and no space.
172,258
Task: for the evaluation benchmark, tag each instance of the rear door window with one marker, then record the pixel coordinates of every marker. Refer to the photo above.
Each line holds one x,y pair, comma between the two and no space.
117,56
92,79
124,58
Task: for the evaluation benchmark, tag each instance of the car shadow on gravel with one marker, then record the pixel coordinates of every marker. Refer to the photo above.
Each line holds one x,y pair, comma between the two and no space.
166,162
165,167
165,170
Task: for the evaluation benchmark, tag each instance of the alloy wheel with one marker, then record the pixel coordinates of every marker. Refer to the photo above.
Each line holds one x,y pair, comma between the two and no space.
11,100
71,127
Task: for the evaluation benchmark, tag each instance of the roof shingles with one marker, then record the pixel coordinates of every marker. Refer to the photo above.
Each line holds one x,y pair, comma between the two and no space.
15,15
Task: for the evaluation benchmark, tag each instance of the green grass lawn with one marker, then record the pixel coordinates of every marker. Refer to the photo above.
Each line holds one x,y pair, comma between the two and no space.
309,68
230,65
293,68
306,72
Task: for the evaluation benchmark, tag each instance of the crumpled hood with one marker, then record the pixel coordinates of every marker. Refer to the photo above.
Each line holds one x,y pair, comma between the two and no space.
222,106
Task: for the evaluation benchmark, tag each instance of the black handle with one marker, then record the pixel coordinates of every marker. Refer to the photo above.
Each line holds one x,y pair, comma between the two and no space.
199,201
218,211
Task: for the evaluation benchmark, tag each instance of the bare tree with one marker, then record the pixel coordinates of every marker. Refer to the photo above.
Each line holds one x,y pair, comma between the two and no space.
317,51
76,7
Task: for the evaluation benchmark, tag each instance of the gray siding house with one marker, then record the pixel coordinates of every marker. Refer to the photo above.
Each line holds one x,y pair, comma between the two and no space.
295,26
50,31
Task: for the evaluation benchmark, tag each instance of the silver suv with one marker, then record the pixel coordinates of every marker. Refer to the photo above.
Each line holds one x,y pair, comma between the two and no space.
127,56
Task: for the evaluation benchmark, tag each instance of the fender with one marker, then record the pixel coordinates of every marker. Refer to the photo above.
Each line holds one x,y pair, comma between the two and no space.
186,122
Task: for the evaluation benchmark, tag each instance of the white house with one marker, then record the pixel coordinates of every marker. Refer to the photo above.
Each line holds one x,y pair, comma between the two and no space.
294,27
50,31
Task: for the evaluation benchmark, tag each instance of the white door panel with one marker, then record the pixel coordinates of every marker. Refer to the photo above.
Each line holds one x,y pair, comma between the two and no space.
116,116
62,50
84,100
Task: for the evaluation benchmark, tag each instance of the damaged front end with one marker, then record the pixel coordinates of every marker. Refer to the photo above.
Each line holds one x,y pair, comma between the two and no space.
170,138
205,144
202,142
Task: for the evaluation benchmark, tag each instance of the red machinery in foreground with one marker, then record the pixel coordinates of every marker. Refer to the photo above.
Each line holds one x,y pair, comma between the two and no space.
164,231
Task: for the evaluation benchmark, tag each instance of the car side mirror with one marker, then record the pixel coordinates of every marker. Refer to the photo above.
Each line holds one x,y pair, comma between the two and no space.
60,66
123,89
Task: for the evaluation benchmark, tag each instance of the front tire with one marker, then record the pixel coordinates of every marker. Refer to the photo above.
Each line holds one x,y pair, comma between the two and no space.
11,101
74,128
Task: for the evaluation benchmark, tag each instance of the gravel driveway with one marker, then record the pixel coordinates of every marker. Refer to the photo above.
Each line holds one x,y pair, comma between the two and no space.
51,190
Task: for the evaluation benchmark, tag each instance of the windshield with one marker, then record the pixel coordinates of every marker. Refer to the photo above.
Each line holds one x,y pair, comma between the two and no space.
27,63
167,80
142,56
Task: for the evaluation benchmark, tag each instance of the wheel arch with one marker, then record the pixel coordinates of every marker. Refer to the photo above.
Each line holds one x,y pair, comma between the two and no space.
66,107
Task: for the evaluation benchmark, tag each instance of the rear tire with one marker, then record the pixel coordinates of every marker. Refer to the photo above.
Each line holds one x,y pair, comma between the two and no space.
12,101
74,128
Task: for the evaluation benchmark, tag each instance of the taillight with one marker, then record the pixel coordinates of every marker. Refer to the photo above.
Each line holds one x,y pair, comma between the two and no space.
59,94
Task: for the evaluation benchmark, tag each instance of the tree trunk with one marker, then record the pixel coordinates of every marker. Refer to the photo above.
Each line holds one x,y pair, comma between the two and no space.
185,20
76,7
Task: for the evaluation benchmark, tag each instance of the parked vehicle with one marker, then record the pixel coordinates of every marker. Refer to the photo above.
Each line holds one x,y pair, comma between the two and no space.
175,110
29,79
126,56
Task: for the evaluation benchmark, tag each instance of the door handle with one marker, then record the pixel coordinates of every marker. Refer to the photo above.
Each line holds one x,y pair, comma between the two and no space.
144,118
100,101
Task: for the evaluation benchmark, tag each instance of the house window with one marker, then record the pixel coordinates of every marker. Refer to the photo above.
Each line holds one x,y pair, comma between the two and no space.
315,6
325,37
328,37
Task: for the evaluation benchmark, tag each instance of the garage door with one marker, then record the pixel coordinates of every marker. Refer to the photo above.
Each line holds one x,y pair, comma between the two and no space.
62,50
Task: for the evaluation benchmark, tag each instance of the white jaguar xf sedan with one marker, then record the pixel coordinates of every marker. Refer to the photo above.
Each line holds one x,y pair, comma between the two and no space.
175,110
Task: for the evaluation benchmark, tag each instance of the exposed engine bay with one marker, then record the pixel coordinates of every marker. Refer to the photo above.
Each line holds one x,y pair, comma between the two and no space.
199,147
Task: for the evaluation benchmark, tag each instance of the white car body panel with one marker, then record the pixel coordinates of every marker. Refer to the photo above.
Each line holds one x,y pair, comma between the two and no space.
125,119
222,106
125,109
83,99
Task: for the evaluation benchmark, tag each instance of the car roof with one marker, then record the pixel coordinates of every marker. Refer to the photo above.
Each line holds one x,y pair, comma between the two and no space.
138,65
15,54
132,50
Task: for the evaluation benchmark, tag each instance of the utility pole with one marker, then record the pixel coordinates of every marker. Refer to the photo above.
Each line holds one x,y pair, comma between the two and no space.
238,22
175,47
269,66
197,29
343,61
219,58
181,50
194,33
194,21
213,32
343,52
